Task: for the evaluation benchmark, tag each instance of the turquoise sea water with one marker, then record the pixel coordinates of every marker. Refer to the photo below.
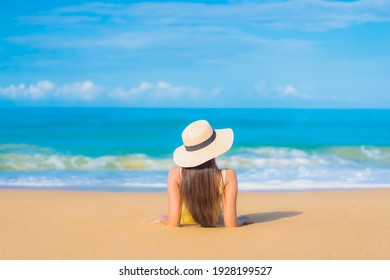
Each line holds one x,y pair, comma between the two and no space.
125,149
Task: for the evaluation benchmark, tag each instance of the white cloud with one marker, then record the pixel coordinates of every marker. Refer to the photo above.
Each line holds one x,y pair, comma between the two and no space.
155,92
143,86
286,90
160,93
45,89
85,90
131,93
280,91
32,91
166,89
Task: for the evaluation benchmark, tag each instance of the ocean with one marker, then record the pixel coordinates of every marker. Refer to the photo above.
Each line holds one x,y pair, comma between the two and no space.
130,149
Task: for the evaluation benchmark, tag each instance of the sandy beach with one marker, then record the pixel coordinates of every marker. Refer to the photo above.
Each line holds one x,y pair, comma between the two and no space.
323,225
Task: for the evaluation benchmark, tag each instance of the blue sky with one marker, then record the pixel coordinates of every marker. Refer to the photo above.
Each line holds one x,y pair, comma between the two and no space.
288,54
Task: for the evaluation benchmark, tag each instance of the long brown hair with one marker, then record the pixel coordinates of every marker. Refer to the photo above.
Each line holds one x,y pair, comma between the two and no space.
200,192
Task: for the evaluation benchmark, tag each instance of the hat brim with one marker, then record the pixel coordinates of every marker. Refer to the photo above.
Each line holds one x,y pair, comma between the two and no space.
222,143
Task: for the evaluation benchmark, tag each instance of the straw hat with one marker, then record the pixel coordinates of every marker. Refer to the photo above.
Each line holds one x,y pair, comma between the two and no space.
202,143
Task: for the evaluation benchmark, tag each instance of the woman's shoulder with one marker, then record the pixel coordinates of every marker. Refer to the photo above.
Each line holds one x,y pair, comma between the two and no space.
174,171
229,172
229,175
174,177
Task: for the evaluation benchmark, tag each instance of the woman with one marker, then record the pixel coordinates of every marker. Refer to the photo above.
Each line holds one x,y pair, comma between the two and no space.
198,191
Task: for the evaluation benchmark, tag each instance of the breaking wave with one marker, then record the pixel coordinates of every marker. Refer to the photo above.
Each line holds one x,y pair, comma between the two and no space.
260,168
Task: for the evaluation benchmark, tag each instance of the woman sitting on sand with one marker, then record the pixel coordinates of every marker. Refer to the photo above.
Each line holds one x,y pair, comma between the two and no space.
198,191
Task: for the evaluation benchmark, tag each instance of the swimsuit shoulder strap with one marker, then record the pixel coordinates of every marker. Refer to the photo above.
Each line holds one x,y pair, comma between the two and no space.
223,179
223,171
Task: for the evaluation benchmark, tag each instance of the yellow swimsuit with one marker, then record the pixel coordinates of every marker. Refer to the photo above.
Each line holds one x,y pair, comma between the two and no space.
186,217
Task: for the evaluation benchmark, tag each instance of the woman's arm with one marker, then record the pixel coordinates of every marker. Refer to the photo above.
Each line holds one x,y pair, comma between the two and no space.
229,201
174,198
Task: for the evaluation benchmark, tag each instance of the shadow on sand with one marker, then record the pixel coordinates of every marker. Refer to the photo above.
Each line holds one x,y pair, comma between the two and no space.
271,216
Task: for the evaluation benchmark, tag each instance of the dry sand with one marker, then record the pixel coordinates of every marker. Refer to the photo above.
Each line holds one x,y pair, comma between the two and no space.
324,225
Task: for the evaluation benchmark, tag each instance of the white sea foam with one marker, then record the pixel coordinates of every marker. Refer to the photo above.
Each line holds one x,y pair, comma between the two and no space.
244,184
376,153
80,162
26,157
264,168
83,179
